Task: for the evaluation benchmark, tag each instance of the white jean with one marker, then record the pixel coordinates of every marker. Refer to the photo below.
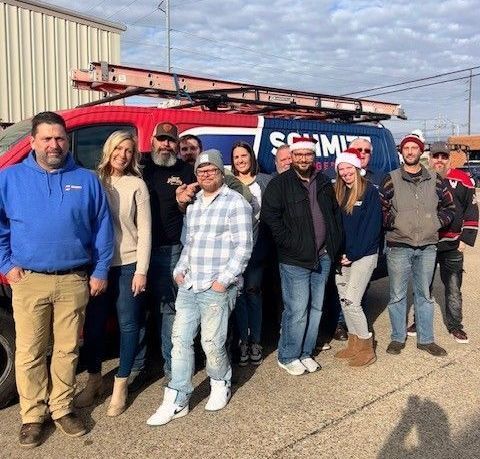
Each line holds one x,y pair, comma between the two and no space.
351,284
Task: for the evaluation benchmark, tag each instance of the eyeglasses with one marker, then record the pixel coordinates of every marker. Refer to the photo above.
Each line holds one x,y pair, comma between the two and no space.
207,173
189,148
443,156
303,155
367,151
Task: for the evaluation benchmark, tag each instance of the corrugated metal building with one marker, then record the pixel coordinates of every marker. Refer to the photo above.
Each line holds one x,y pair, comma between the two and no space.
39,45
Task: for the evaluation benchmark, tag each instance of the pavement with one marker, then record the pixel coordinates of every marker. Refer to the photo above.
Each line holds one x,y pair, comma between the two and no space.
407,406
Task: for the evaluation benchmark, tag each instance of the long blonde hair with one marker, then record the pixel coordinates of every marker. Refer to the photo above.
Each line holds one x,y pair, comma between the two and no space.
356,192
104,169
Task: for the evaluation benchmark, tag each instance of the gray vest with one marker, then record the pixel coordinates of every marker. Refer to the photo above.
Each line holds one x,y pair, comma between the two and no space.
414,205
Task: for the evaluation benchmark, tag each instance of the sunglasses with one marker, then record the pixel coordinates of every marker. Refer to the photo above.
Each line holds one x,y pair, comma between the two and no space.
365,150
443,156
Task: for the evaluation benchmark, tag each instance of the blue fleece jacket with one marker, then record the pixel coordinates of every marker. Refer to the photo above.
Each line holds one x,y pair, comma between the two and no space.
52,221
363,227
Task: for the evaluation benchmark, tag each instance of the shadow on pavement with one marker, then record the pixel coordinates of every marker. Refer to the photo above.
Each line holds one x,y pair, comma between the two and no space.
428,422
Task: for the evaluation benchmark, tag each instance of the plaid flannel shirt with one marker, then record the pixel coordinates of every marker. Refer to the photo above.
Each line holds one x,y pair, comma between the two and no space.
218,243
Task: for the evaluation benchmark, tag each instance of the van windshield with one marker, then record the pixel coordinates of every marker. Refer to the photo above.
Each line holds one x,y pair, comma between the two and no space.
14,134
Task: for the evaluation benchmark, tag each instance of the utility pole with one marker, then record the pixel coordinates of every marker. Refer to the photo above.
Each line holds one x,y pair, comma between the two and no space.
469,102
166,9
167,16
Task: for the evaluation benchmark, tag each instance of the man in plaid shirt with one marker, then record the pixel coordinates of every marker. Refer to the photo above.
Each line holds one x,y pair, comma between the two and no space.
209,274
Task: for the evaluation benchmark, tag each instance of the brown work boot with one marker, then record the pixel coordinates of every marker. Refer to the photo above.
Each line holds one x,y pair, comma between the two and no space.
31,434
90,392
71,425
351,349
365,353
118,402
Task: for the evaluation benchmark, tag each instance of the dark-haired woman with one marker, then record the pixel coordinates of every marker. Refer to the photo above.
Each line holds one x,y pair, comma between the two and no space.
248,309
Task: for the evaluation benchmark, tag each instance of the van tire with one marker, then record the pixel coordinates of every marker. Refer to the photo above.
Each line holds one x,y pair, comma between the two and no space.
8,388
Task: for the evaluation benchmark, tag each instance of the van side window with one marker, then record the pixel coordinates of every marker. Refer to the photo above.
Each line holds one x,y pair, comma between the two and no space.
87,143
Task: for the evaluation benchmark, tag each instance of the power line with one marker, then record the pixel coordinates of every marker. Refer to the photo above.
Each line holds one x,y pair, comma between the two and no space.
187,2
423,85
121,9
143,17
241,63
413,81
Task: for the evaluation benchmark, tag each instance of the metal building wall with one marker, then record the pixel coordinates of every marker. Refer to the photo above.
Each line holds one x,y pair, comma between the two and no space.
39,45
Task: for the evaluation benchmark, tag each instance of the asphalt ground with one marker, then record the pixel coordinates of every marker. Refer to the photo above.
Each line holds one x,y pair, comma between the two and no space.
412,405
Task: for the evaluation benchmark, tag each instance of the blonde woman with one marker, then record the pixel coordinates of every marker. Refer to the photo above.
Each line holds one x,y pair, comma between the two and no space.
130,207
360,206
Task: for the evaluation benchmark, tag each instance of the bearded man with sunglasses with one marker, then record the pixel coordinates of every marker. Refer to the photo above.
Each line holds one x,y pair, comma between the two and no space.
453,239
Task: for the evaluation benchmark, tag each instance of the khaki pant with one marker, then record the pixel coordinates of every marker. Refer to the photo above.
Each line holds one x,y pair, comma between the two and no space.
47,308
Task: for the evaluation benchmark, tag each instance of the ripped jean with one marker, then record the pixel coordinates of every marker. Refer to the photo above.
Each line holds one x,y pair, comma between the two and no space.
210,311
352,283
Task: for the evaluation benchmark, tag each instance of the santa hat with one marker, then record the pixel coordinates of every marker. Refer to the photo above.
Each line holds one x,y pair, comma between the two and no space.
303,143
350,156
412,138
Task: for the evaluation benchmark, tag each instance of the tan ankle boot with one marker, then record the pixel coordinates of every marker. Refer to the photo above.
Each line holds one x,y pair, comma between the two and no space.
365,355
91,391
351,348
118,403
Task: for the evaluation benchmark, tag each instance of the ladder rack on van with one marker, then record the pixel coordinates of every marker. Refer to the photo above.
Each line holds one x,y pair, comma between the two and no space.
193,92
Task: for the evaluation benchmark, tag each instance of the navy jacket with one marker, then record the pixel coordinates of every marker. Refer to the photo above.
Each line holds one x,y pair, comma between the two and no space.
363,227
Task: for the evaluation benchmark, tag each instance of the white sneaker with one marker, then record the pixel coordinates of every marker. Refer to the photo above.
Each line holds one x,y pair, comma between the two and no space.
168,410
326,347
220,394
310,364
294,368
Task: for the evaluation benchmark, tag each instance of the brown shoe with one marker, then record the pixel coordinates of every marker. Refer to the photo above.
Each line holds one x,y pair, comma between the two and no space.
341,333
31,434
351,349
395,347
71,425
92,390
365,353
433,349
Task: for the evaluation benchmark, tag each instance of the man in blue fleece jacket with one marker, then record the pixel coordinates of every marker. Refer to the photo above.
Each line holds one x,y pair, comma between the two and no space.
55,229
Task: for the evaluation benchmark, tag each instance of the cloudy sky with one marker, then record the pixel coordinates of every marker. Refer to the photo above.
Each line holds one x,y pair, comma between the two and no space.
331,47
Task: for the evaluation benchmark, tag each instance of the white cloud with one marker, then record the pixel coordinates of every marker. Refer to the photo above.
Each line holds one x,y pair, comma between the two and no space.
331,47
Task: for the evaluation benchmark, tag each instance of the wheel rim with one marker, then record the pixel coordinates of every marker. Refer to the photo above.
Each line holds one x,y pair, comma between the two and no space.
6,360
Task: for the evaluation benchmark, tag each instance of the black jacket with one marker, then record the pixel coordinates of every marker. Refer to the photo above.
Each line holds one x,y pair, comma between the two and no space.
286,210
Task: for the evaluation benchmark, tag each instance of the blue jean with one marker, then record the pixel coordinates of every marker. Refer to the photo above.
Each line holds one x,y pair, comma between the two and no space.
130,314
402,263
249,306
302,291
210,311
163,293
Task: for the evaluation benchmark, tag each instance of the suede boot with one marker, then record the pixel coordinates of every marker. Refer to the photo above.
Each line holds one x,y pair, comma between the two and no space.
351,349
118,402
91,391
365,353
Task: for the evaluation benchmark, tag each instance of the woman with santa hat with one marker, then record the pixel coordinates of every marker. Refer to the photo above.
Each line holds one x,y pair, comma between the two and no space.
362,222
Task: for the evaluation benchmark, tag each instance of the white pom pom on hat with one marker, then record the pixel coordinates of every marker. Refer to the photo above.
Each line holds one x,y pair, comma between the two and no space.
350,156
